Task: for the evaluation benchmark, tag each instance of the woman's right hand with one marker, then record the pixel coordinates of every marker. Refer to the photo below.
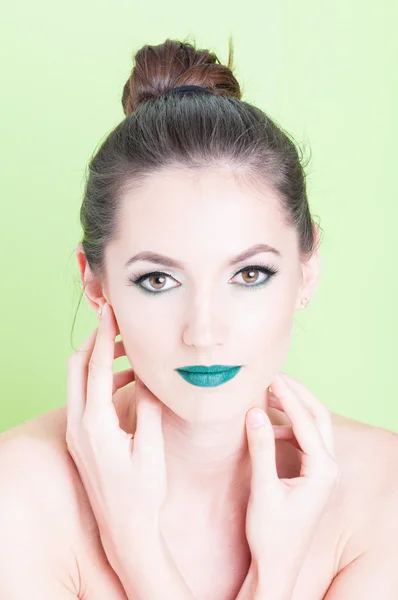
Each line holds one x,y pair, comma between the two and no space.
124,474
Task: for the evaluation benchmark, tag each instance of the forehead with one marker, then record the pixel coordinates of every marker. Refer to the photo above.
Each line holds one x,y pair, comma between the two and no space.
195,208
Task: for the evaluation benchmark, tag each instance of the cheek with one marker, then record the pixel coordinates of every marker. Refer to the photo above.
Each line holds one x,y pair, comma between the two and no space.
265,339
266,326
145,334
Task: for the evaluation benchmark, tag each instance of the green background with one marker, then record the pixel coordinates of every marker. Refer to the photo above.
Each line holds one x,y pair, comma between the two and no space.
326,72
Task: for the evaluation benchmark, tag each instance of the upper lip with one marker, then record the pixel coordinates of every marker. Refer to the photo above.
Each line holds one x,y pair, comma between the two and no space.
204,369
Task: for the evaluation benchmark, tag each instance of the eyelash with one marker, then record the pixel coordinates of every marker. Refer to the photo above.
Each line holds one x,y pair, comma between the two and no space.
137,279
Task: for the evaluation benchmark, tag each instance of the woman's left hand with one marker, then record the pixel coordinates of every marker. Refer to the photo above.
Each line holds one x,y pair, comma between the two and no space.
283,514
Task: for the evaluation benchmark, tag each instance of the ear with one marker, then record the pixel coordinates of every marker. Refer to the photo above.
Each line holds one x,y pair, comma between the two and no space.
93,286
310,273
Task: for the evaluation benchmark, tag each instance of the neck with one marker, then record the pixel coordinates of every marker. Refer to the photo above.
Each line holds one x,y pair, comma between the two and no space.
208,464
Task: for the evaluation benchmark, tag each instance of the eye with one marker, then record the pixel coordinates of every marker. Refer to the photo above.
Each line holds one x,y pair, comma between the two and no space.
156,282
256,275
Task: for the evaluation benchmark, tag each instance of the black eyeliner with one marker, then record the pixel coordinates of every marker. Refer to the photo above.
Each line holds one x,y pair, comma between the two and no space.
139,277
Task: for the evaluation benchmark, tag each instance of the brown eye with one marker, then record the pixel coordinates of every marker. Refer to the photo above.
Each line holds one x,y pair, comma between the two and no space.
255,276
157,281
250,275
154,283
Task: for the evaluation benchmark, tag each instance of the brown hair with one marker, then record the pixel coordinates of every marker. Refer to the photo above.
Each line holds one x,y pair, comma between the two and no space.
195,131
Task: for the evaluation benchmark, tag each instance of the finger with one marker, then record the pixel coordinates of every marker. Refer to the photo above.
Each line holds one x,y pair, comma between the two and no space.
274,401
261,444
319,410
77,379
282,432
148,437
304,426
122,378
100,367
314,405
119,349
286,434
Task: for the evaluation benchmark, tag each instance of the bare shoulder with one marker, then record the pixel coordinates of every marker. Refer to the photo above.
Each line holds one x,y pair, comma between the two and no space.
365,449
35,463
47,510
368,458
36,451
38,500
47,432
39,478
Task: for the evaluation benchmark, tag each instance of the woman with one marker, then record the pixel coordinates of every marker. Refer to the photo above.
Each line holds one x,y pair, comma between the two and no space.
198,249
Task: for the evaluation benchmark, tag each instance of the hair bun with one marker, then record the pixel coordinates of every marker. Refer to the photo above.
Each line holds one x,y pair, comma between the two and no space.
159,69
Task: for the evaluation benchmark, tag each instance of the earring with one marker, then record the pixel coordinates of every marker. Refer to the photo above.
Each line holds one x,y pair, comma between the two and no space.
304,302
100,311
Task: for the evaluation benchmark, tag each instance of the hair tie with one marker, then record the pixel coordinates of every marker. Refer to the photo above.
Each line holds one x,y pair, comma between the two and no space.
182,89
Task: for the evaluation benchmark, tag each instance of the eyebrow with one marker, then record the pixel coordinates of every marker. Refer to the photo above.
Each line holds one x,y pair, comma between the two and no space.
166,261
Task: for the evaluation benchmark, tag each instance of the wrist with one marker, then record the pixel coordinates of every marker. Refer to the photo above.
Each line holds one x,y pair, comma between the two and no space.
149,571
282,589
126,548
275,583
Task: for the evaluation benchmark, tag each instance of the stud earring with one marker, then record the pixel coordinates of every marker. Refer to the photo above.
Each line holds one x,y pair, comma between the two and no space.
304,302
100,311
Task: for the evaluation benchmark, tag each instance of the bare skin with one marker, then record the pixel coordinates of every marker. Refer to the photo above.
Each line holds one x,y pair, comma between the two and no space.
212,556
199,311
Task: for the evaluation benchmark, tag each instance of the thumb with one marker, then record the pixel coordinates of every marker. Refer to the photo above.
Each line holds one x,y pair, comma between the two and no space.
261,442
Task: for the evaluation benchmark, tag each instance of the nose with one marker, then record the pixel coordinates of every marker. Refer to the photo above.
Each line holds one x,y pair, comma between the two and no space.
205,321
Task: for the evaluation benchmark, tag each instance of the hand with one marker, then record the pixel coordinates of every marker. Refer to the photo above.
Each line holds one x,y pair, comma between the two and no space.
283,514
124,474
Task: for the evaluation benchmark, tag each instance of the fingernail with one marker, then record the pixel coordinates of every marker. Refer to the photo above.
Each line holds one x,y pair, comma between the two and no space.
256,418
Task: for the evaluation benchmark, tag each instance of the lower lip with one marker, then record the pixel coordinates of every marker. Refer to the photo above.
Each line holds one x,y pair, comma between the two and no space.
209,379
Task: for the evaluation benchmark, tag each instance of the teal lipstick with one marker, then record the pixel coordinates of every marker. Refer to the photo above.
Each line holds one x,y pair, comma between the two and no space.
208,376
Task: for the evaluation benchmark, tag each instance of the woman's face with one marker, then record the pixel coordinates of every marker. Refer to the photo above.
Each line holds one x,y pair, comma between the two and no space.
204,311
